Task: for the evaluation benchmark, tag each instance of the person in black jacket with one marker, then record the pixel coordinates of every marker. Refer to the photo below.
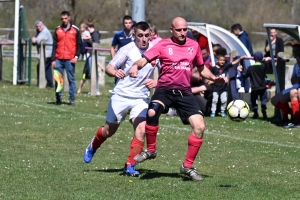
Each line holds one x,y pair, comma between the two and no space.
88,63
277,45
257,74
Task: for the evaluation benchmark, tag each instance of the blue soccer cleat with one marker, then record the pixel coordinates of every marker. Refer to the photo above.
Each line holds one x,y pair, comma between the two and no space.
89,153
130,171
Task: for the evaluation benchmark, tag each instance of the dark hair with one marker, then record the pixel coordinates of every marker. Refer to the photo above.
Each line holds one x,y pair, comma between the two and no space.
65,13
127,17
216,45
90,23
236,27
219,56
296,46
221,51
204,48
142,26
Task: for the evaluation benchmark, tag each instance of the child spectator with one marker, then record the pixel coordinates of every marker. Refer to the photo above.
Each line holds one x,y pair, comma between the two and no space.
257,74
86,37
87,75
220,89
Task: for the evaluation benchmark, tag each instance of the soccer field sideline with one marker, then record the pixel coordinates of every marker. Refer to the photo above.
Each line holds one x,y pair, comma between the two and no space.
161,125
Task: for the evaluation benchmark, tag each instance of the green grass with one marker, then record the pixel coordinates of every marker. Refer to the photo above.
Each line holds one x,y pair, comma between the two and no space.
42,147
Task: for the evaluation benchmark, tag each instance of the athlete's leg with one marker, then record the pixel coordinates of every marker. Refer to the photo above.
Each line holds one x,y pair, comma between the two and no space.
154,111
195,139
295,106
254,96
280,101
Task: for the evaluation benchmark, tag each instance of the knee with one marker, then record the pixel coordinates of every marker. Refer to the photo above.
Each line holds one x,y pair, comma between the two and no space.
294,94
274,101
151,113
198,129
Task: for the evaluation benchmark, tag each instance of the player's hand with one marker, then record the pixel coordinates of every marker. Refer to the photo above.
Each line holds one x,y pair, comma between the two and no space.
240,68
74,60
221,79
133,72
119,73
150,83
53,64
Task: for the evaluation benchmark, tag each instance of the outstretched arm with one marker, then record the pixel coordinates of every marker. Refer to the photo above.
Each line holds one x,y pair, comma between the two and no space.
133,72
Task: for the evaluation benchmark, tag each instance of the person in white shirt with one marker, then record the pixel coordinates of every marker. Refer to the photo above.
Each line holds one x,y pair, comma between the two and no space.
130,95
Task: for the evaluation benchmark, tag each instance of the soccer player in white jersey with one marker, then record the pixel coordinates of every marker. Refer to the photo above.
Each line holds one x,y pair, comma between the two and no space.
129,95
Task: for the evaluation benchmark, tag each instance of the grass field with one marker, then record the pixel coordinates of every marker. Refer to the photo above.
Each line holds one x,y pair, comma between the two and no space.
42,147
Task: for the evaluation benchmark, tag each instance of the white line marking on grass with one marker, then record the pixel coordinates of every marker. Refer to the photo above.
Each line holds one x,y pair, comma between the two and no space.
165,126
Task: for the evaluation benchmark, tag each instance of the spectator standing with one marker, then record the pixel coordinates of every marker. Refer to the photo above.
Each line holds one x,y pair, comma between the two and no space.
201,39
237,30
85,36
65,53
122,37
257,74
95,38
154,37
44,34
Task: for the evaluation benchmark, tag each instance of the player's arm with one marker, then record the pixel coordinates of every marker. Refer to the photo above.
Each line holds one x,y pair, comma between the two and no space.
150,83
139,64
206,73
236,61
112,51
113,72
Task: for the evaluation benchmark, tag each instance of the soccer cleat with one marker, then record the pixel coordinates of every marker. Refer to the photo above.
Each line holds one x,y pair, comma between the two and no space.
212,115
223,114
72,103
145,155
288,125
191,172
89,153
130,171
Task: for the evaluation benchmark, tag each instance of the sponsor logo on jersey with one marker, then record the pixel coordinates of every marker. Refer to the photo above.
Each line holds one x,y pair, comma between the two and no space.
190,50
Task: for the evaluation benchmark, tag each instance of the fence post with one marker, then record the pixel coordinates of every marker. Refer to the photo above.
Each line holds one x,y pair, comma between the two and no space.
101,74
1,61
94,69
42,63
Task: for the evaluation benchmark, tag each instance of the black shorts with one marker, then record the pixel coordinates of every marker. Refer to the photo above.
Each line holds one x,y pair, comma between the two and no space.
86,73
185,103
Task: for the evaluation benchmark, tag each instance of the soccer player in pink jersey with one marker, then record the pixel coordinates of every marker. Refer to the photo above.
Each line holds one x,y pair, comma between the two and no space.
177,56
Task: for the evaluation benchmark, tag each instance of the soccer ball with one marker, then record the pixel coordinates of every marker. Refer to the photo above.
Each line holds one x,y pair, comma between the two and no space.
238,110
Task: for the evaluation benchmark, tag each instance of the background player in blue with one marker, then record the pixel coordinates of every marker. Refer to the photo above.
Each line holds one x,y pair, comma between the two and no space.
122,37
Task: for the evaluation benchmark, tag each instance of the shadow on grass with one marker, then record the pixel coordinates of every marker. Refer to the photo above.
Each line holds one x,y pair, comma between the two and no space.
147,174
53,103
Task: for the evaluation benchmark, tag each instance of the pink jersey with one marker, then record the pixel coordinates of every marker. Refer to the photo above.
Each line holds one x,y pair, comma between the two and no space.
176,63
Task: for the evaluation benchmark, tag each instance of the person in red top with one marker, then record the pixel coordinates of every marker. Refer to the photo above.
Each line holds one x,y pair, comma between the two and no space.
65,53
201,39
177,56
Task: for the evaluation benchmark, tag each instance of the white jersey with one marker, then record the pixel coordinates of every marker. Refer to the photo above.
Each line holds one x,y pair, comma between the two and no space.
128,86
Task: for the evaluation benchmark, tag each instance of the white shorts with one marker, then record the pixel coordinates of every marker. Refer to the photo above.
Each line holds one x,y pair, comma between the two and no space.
119,107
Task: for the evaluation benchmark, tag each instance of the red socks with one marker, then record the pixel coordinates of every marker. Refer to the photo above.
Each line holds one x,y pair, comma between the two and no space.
151,133
136,148
285,109
194,144
296,111
99,139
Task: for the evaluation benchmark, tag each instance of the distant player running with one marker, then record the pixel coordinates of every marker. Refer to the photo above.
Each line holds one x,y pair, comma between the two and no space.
130,95
177,56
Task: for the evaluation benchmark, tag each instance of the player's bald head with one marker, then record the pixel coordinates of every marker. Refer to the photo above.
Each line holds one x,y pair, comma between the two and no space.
178,21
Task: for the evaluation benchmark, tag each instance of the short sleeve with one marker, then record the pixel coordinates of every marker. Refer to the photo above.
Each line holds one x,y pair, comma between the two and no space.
115,40
120,58
198,58
153,53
